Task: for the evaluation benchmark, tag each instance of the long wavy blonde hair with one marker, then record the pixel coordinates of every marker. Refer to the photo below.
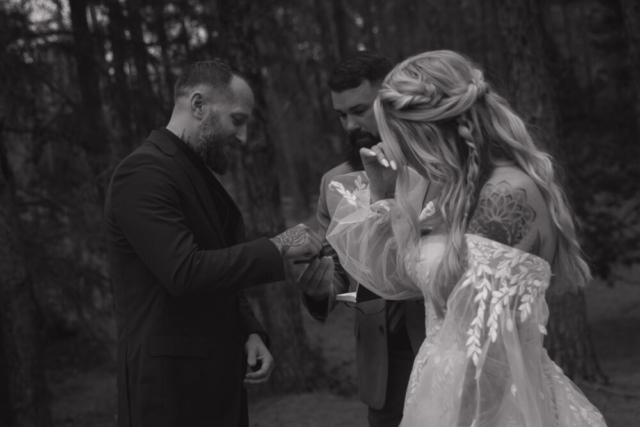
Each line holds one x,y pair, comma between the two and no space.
436,113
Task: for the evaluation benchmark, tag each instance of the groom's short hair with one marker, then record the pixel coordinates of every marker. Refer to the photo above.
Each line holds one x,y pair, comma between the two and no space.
364,65
215,73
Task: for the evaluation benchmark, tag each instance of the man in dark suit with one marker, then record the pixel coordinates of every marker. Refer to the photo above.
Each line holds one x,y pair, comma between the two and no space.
180,261
388,333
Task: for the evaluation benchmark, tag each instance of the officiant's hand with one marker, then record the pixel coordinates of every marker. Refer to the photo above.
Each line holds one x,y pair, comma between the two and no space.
381,171
258,356
317,278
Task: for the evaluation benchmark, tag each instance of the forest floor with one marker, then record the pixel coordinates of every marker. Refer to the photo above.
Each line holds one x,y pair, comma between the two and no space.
84,391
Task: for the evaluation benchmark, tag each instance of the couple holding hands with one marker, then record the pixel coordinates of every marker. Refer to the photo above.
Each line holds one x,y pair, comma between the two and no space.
456,219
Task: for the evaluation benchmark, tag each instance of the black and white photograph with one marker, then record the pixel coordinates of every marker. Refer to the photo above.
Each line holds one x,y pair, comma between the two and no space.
320,213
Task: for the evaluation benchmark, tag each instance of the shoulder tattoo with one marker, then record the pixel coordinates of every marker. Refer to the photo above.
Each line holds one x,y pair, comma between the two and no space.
503,215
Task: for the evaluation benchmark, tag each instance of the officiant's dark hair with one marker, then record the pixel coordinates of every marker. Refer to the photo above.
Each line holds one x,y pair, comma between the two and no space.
351,72
215,73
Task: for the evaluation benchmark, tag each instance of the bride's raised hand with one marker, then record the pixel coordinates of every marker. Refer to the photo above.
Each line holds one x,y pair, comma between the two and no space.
381,171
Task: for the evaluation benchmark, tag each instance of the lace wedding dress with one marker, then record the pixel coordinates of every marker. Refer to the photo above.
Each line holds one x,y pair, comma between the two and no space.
483,365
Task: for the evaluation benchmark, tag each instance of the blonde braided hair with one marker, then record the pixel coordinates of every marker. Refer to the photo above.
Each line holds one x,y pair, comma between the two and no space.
436,112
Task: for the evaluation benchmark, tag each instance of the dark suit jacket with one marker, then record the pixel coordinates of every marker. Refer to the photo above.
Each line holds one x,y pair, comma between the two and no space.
181,314
371,316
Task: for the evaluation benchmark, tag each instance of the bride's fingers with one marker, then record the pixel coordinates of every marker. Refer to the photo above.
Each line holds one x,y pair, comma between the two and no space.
367,152
379,153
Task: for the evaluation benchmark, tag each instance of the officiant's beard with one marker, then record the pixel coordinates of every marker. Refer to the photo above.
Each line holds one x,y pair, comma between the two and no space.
356,140
213,145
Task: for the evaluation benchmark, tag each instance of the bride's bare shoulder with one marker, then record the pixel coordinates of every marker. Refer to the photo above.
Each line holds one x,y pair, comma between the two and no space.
512,210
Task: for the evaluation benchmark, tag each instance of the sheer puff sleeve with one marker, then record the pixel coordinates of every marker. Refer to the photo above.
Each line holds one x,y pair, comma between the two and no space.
487,366
364,236
500,302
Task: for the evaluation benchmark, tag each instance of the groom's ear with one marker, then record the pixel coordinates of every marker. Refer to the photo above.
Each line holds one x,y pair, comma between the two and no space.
196,102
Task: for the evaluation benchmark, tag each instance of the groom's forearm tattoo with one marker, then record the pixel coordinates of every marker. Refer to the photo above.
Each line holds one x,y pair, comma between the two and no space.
502,214
289,239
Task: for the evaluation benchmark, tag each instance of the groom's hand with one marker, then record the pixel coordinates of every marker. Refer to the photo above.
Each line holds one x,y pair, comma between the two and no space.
299,242
258,356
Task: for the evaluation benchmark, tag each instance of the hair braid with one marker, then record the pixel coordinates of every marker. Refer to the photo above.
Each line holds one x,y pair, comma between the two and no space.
410,94
466,129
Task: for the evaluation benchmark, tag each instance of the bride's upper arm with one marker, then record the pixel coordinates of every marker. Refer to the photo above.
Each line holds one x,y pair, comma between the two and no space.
511,210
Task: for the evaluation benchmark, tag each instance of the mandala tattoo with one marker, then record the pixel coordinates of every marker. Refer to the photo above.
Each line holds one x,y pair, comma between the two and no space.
503,215
290,238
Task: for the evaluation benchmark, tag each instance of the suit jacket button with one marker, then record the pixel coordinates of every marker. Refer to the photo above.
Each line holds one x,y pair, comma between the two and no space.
381,328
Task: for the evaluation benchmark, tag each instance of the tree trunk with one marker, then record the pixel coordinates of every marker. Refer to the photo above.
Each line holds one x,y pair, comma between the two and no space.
6,416
341,30
121,98
92,132
143,89
279,302
527,69
496,43
328,33
161,30
21,364
568,340
631,13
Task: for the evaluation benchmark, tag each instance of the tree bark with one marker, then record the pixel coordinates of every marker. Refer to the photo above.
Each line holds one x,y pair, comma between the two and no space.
21,363
91,126
121,98
328,33
530,87
143,89
341,30
568,340
6,416
279,302
164,48
631,13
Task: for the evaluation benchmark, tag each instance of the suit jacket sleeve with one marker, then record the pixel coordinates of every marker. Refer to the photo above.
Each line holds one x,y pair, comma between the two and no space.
319,309
146,206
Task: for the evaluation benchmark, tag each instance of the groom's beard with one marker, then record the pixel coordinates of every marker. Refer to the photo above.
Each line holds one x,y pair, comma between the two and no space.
356,140
213,146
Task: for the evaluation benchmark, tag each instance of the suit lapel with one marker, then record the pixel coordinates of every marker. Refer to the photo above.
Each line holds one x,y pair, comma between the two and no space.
169,148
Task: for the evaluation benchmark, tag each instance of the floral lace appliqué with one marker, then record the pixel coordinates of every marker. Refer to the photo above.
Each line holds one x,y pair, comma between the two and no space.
501,276
360,197
360,194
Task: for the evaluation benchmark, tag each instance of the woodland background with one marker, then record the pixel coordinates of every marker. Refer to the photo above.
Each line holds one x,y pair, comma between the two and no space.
83,82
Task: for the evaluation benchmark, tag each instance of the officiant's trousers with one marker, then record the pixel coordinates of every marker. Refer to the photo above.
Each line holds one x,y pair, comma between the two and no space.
401,359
